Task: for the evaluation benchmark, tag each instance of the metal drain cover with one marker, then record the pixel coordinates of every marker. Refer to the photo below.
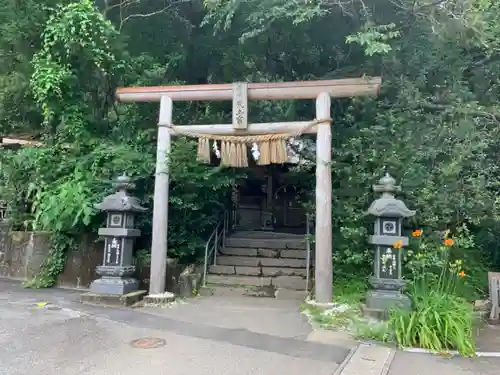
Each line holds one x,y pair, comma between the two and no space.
148,343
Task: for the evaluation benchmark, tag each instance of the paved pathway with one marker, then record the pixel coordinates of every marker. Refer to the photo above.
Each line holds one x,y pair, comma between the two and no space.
425,364
262,315
66,337
210,336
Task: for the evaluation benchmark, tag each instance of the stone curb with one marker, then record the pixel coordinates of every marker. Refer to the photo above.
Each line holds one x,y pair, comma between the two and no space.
344,363
159,300
451,352
367,360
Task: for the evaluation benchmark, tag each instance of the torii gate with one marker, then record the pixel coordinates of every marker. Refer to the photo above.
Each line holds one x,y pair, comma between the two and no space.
240,93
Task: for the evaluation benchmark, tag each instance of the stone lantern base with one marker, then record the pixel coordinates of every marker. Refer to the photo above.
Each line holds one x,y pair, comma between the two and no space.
114,280
114,285
386,296
124,300
379,303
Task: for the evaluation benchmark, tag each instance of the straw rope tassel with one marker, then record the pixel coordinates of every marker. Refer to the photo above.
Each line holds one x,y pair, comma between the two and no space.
237,155
231,155
243,155
272,151
222,153
265,153
278,154
199,151
224,158
206,150
283,152
203,154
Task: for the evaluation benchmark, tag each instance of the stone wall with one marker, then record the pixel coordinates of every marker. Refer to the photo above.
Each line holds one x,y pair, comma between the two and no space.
79,270
180,279
23,253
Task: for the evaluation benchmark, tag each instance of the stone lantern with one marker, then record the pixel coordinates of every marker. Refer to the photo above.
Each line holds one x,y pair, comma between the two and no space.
387,280
116,270
4,230
3,211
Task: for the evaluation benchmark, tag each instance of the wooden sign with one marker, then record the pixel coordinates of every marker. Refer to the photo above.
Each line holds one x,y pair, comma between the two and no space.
240,105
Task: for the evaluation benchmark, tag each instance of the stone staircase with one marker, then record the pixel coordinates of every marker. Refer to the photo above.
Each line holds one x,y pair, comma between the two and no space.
260,264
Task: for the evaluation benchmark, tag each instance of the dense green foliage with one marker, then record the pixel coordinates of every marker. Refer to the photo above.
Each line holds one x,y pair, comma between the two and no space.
70,80
439,323
442,317
435,125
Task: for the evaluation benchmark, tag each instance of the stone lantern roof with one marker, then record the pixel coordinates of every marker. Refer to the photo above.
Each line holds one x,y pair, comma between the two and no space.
387,204
121,201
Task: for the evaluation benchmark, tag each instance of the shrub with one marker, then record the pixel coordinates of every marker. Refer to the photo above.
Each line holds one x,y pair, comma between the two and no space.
439,322
429,260
442,318
350,290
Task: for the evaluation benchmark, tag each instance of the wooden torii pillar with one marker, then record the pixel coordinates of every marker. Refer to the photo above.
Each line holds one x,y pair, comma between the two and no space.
322,91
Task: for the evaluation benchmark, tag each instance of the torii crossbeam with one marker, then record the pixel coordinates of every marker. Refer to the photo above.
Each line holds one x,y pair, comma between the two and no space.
240,93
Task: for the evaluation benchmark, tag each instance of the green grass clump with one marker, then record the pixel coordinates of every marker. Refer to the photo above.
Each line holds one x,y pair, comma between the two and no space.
439,322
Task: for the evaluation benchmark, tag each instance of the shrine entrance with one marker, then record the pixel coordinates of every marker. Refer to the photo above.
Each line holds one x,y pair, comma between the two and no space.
268,201
268,142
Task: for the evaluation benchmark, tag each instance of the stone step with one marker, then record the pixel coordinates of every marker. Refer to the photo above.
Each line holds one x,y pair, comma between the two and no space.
268,253
290,282
288,294
267,243
257,271
226,260
239,280
251,286
237,291
239,251
263,234
282,271
285,282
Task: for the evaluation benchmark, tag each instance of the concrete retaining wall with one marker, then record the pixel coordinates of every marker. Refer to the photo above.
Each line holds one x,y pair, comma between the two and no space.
23,253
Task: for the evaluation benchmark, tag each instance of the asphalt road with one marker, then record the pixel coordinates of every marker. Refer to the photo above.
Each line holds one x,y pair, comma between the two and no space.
66,337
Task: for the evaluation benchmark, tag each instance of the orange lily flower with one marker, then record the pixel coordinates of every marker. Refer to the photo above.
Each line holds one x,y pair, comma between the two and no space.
417,233
449,242
398,244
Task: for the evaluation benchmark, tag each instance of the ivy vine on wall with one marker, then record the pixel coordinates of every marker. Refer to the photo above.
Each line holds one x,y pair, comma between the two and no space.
72,71
89,140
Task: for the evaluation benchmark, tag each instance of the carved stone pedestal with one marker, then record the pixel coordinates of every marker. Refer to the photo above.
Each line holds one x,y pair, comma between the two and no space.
123,300
386,297
387,300
114,280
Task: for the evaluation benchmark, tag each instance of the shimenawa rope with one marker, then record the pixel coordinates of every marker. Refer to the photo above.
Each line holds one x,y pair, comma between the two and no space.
272,147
